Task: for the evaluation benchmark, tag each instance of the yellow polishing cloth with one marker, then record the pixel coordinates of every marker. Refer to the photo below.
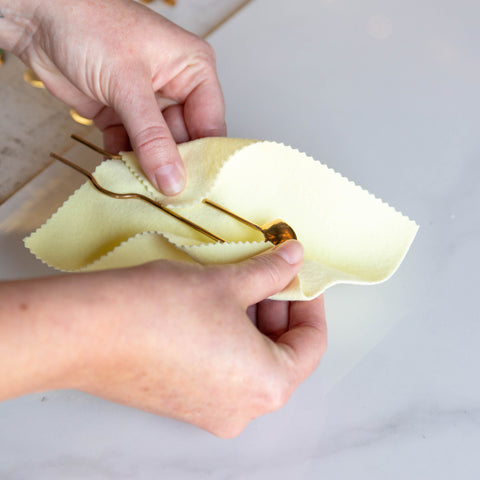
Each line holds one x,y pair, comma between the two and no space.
349,236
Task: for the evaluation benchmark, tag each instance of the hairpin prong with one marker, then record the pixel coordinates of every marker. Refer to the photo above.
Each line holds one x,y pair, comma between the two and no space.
138,196
275,232
96,148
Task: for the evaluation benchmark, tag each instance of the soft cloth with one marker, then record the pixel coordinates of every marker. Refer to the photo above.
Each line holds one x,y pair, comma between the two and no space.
349,236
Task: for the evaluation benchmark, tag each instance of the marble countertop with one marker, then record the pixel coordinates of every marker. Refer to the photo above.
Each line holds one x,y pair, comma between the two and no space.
388,94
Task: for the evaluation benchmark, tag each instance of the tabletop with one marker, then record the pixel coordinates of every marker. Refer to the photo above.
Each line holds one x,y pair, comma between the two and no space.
386,93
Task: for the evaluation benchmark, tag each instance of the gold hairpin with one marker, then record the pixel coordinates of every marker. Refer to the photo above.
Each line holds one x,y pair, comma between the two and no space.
275,232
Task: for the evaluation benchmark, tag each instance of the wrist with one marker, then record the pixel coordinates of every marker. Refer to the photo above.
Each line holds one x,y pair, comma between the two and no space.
39,345
17,24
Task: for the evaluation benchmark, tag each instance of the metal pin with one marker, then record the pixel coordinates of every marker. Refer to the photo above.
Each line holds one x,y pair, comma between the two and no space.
275,232
138,196
96,148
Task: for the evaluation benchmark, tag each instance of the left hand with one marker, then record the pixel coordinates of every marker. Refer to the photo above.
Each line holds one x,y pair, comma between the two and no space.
129,69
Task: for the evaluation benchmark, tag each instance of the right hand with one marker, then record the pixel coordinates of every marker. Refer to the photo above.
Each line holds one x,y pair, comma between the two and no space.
175,339
179,343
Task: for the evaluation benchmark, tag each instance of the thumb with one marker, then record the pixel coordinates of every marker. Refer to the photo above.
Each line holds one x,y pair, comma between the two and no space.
261,276
152,141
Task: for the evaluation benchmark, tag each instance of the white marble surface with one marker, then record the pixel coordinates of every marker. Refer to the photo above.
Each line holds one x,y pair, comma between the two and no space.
198,16
387,93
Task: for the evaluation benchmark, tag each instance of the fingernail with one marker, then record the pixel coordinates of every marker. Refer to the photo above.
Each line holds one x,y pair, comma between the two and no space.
170,179
291,251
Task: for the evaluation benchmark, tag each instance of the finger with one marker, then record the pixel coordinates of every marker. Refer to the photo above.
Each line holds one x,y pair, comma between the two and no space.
272,318
305,341
115,138
173,115
268,273
252,313
204,110
151,140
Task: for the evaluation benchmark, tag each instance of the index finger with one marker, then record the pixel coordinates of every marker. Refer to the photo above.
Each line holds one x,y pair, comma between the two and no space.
151,139
204,110
305,342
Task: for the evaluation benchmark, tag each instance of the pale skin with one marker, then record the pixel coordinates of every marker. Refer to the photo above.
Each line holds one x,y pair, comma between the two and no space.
126,67
201,344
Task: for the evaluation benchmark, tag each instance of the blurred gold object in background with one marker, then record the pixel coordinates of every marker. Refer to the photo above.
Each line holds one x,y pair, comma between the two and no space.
31,78
2,57
79,119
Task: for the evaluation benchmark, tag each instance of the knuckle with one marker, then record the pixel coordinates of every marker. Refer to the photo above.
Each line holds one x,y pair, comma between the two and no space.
279,399
150,137
208,53
219,280
322,346
276,395
269,269
204,65
228,431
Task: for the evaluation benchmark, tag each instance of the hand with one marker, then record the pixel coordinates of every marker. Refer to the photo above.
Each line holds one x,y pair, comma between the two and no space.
174,339
129,69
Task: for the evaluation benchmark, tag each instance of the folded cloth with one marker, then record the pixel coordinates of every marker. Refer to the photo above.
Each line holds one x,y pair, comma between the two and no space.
349,236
